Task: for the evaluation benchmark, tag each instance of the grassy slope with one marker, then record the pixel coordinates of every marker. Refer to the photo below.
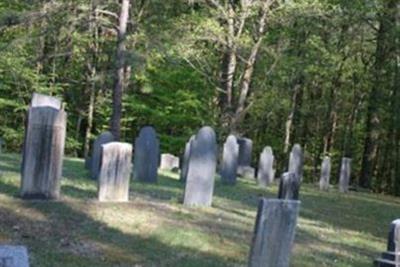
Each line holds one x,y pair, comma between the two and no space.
153,229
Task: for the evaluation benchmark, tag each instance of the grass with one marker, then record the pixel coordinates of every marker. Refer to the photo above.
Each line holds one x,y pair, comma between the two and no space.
154,229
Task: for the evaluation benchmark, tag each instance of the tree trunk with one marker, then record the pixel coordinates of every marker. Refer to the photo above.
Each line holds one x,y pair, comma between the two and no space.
115,125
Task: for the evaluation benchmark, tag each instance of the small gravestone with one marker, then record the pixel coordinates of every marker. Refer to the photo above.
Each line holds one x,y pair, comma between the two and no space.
345,172
14,256
116,165
247,172
325,174
147,153
43,150
230,156
274,233
289,186
202,166
296,161
1,145
245,150
95,159
185,160
266,173
391,257
169,162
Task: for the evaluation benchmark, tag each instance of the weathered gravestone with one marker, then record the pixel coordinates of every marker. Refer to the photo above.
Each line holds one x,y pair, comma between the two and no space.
169,162
116,166
202,166
325,174
289,186
266,173
230,156
296,161
345,172
147,153
391,257
244,162
95,159
14,256
185,160
274,233
43,149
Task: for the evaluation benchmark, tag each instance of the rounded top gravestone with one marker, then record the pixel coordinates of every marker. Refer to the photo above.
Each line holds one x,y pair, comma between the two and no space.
266,172
296,161
230,160
102,139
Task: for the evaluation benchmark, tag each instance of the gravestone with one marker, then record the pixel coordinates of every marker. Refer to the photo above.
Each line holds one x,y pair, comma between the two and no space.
147,153
266,173
88,162
185,160
43,150
325,174
345,172
169,162
274,233
201,170
296,161
1,145
95,159
116,166
13,256
289,186
230,156
245,150
391,257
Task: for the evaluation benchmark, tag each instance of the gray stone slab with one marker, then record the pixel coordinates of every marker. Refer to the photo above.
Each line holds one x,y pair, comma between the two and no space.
325,174
266,172
202,167
43,153
230,157
13,256
95,160
345,172
147,156
296,161
391,257
274,233
185,160
289,186
246,172
115,172
245,150
39,100
169,162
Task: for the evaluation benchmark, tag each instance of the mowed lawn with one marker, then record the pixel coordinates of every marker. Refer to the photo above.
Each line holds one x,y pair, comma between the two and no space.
154,229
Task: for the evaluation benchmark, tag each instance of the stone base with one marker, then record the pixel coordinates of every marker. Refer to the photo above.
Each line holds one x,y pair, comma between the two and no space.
388,259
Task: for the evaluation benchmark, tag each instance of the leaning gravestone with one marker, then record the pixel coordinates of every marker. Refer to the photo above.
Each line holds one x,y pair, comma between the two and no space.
113,184
43,149
14,256
202,166
274,233
345,172
95,159
147,153
266,173
230,160
169,162
391,257
245,150
296,161
185,160
289,186
325,174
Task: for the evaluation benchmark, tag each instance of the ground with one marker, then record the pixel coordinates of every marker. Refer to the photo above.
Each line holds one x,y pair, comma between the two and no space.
154,229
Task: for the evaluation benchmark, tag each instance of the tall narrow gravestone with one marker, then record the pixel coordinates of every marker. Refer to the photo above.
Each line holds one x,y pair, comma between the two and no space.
266,173
95,159
296,161
345,172
185,160
202,166
14,256
43,149
245,150
116,164
325,174
230,160
274,233
391,257
289,186
147,153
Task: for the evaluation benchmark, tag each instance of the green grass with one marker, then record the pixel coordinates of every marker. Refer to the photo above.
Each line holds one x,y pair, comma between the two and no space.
154,229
